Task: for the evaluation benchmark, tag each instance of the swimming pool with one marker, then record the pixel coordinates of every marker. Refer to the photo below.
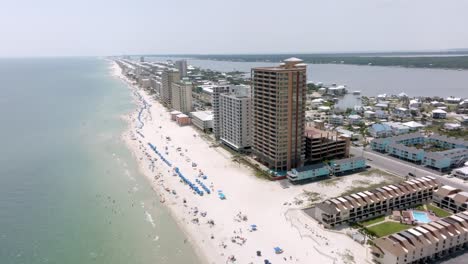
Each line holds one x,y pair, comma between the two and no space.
421,217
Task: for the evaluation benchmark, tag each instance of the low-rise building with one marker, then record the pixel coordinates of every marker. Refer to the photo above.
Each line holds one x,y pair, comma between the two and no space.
370,204
336,120
413,126
439,114
462,107
398,128
380,130
414,104
174,114
203,120
404,147
349,134
309,172
461,173
354,119
444,160
450,198
380,114
381,106
182,119
452,126
423,244
453,100
369,114
342,166
401,112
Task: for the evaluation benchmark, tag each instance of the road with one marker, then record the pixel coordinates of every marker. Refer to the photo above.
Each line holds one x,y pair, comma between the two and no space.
402,168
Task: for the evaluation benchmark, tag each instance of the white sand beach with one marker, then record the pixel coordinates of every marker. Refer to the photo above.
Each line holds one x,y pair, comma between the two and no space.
274,209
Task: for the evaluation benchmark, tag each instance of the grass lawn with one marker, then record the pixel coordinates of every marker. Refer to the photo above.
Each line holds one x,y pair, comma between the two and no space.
421,207
373,221
438,211
387,228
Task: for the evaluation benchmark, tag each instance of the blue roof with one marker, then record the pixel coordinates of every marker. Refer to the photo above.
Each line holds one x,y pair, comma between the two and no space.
381,127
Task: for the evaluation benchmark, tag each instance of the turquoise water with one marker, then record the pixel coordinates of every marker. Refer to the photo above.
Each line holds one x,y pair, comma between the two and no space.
421,217
70,191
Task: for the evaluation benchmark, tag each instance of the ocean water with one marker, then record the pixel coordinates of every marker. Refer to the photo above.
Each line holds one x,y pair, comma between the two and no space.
70,191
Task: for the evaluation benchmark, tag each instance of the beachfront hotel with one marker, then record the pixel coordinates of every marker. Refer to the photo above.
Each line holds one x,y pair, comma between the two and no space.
235,109
452,199
182,96
425,243
370,204
168,77
216,91
279,104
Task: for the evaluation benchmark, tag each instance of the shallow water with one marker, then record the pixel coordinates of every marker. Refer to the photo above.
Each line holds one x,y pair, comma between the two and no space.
70,191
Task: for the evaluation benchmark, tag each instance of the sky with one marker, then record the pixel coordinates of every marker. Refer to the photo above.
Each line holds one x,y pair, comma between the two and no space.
116,27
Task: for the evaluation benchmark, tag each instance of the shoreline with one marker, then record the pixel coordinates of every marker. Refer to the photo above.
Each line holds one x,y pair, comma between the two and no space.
126,138
280,221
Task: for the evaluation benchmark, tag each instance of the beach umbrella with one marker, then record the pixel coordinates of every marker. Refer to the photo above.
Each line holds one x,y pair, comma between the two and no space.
278,250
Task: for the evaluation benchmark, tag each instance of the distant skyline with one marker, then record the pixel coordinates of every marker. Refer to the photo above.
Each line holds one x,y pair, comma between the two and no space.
100,28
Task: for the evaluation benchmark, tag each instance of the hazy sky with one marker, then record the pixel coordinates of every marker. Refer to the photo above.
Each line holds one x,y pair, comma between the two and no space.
107,27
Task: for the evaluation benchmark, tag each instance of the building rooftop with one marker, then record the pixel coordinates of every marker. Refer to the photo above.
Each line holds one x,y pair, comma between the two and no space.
438,111
293,59
312,132
401,243
344,161
381,127
447,153
396,125
413,124
389,191
463,170
203,115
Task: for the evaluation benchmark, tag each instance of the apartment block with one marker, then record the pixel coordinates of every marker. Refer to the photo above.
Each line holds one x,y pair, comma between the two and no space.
370,204
216,91
279,104
181,66
404,147
235,113
182,96
168,77
425,243
445,159
452,199
324,145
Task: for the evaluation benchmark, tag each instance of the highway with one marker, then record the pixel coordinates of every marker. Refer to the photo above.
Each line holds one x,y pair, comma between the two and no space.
402,168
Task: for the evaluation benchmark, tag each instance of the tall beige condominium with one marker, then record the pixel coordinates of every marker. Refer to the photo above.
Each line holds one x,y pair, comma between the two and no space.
279,104
182,96
167,78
